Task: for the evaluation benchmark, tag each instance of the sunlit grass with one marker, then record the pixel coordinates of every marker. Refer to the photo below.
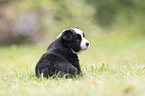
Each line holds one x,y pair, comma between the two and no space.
111,66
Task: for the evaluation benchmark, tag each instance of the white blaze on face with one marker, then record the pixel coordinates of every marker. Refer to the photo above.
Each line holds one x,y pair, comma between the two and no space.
84,41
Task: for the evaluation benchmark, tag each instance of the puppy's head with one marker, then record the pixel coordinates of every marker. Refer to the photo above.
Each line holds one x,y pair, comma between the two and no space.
75,39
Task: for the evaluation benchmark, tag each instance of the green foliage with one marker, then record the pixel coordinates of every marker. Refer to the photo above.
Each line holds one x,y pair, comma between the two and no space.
32,21
107,11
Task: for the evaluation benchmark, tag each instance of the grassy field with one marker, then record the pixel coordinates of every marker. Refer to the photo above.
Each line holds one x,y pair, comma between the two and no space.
112,66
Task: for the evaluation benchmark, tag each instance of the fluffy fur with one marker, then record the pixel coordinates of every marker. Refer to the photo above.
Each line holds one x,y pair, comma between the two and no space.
61,57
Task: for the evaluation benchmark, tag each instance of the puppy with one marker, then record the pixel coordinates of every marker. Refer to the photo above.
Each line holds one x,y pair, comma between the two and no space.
61,57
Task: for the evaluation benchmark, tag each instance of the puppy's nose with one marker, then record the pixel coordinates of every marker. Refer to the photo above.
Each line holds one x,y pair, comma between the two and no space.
87,44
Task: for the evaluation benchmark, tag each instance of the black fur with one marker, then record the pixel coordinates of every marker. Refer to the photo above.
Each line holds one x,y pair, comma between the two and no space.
59,59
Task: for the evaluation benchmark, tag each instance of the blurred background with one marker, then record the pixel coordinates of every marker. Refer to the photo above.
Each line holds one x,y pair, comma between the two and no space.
114,28
40,21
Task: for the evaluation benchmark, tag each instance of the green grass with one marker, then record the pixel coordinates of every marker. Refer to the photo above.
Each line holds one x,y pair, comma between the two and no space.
112,66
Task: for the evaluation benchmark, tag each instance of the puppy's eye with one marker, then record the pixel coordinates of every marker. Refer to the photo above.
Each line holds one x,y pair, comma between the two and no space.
78,37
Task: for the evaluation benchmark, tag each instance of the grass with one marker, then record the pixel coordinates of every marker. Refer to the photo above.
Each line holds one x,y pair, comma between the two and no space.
112,66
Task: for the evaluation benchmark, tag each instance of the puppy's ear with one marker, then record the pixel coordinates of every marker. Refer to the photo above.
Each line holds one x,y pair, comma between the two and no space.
67,35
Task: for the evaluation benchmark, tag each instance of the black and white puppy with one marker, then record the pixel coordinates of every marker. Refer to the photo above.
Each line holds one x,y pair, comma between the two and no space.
61,57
